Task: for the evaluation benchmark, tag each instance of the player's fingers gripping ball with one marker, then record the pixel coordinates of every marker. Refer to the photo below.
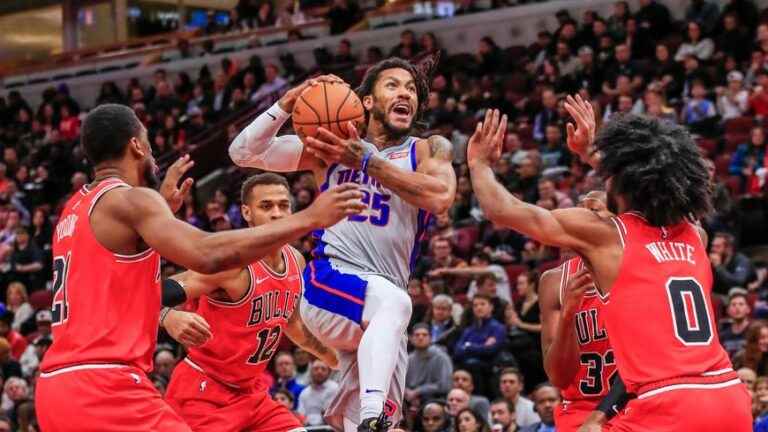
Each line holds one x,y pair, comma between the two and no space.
330,105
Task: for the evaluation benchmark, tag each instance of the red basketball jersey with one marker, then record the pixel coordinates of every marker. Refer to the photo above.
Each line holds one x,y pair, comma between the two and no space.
105,305
246,333
660,316
596,361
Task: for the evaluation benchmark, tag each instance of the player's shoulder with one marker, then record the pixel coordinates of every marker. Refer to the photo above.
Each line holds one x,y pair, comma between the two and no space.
435,146
552,276
300,260
131,202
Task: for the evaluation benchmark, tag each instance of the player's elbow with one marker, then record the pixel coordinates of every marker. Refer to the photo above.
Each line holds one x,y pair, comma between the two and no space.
439,203
237,154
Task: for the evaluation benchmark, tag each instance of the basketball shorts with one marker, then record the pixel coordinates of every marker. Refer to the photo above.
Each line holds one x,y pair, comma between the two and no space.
569,416
684,408
332,308
102,397
209,405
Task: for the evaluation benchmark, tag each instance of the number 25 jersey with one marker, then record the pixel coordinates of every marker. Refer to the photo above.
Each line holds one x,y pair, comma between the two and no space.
384,238
660,319
106,306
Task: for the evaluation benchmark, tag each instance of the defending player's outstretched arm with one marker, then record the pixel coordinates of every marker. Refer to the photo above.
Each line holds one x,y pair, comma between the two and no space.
298,332
574,228
432,186
558,339
145,212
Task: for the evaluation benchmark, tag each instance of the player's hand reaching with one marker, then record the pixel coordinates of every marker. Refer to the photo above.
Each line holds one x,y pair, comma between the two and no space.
170,189
187,328
331,148
289,98
582,134
485,144
335,204
577,285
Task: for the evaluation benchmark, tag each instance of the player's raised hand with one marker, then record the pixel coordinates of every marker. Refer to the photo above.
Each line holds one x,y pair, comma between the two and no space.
187,328
337,203
170,189
580,135
577,285
486,142
330,148
289,98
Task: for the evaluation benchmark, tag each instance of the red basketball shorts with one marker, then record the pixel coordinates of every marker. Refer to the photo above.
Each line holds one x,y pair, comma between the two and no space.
208,405
98,398
569,416
689,408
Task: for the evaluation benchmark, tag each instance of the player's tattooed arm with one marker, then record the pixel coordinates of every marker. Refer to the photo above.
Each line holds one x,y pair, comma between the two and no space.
432,186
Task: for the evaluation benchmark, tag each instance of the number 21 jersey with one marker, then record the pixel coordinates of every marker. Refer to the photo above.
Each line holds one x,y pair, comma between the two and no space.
106,306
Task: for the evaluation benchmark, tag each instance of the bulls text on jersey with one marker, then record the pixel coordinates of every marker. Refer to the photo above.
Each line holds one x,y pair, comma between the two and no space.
270,305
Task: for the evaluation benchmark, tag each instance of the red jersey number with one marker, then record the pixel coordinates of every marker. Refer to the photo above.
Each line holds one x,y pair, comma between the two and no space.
689,311
60,307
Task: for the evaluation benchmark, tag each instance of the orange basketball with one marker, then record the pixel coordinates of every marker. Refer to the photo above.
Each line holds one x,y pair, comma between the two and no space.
329,105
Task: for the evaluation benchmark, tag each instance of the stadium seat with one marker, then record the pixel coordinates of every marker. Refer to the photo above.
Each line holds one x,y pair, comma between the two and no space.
732,140
41,299
708,145
722,163
734,184
737,125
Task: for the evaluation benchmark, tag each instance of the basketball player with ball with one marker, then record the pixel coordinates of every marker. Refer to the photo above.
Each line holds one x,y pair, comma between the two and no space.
355,298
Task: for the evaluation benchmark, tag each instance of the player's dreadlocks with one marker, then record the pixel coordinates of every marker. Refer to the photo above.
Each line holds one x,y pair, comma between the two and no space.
656,167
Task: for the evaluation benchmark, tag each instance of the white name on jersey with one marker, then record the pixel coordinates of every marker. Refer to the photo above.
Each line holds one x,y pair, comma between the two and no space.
66,227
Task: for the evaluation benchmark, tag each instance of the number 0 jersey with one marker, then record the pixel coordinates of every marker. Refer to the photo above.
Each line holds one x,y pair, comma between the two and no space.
596,360
384,238
106,306
660,317
246,332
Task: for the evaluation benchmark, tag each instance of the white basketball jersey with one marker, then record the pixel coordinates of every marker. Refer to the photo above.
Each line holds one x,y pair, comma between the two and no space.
384,239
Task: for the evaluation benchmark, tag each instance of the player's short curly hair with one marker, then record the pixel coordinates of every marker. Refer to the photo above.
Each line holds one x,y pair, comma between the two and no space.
656,167
372,77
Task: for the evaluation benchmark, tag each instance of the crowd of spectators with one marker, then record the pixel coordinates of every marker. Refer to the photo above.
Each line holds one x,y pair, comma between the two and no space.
475,332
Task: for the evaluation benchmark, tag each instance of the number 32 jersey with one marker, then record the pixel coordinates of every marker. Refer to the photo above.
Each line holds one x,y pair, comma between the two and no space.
660,319
246,332
106,306
383,239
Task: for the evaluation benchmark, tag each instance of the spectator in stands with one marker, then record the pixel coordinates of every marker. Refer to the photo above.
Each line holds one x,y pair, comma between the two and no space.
753,355
462,379
274,82
488,56
290,15
34,352
303,361
695,43
480,342
285,371
16,392
288,400
503,416
26,261
265,17
315,398
486,286
699,111
8,364
546,398
457,400
732,331
758,100
407,47
433,417
548,114
343,15
165,362
730,268
548,191
622,64
511,384
429,368
588,76
481,266
704,12
734,40
443,329
654,17
69,125
469,420
749,157
17,301
344,53
733,100
443,258
220,92
109,93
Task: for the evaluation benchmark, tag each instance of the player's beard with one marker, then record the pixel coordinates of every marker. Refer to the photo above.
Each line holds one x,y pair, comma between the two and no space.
150,177
394,133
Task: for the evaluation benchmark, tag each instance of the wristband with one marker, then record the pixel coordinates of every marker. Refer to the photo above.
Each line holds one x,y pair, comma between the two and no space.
366,160
164,313
173,293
